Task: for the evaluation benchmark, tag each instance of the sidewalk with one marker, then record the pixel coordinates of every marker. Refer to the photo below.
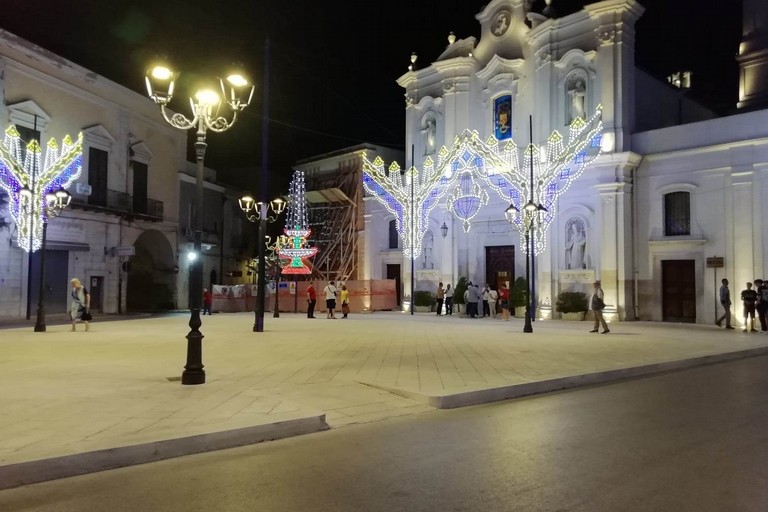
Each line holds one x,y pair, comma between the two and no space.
86,401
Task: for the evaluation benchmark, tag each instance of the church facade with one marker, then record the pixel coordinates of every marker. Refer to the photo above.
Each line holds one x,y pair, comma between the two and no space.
659,217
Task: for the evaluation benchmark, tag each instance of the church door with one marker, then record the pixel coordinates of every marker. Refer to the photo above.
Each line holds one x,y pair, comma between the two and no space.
678,300
500,265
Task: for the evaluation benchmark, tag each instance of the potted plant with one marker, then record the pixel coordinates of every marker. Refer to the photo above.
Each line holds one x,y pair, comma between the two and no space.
423,301
518,297
572,305
458,293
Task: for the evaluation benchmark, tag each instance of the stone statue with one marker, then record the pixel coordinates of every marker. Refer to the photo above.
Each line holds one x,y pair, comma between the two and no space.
429,135
577,92
575,246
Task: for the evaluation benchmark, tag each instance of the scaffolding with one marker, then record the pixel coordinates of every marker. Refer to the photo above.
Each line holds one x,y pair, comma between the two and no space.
335,199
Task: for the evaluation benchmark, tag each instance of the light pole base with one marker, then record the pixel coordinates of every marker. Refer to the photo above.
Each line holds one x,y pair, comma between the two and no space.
192,378
528,327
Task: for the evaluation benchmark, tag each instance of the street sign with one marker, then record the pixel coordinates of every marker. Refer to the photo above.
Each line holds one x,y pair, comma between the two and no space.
715,262
83,189
125,251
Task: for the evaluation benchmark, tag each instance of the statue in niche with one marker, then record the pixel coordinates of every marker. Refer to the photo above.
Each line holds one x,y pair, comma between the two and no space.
578,92
427,259
429,127
576,245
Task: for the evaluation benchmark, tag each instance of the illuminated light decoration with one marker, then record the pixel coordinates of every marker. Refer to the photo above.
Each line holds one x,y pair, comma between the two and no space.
504,166
27,182
296,230
393,190
556,165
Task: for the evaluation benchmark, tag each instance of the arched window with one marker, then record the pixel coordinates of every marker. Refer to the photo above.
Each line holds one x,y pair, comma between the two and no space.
394,236
677,213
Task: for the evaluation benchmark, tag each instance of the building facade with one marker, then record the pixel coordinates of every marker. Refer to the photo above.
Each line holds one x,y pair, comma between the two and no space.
646,217
128,222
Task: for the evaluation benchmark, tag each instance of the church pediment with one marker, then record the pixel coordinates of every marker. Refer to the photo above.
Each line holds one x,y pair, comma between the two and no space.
501,66
502,30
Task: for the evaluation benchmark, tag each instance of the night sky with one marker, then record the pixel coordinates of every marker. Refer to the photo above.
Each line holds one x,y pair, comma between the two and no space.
334,63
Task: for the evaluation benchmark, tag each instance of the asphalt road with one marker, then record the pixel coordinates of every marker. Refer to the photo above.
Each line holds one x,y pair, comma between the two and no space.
689,441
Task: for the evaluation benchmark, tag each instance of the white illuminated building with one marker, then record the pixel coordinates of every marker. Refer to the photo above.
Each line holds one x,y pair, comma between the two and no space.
674,185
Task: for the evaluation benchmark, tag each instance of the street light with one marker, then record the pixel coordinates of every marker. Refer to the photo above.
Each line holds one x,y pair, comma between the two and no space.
237,94
260,212
274,258
412,173
530,221
55,202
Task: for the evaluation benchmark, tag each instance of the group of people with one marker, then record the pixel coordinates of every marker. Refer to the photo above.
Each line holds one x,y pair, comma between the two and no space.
754,299
331,293
479,303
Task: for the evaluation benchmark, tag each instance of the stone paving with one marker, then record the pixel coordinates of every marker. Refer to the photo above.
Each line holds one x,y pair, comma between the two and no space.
67,393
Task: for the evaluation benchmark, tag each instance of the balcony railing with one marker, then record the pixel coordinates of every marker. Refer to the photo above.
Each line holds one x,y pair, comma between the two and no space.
120,203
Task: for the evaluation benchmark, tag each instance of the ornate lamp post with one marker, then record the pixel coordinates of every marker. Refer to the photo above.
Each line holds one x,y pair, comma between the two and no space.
55,202
237,94
260,212
530,221
274,259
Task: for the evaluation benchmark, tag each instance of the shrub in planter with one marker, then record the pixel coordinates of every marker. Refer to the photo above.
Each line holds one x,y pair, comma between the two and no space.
423,298
518,295
572,302
459,289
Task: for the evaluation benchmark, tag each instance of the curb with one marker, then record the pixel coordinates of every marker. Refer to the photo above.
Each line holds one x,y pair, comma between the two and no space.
25,473
484,396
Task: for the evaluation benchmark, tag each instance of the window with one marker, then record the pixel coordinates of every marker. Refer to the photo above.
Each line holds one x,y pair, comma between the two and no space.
97,176
27,135
394,236
677,213
140,172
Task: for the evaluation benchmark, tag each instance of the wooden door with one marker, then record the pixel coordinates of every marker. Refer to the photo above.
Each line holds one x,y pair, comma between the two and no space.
500,265
678,291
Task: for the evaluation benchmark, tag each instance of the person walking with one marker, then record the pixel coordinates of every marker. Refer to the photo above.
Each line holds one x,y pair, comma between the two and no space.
597,304
311,300
330,299
440,297
504,299
725,301
207,301
493,297
762,303
749,299
79,309
344,301
449,300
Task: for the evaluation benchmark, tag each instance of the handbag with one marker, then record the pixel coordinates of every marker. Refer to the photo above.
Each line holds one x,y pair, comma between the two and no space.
599,304
85,315
345,308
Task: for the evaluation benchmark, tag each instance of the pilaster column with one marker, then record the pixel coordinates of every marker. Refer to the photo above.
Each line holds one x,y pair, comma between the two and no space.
616,258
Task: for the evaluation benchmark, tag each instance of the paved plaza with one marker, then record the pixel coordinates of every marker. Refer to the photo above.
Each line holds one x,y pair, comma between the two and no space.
75,402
